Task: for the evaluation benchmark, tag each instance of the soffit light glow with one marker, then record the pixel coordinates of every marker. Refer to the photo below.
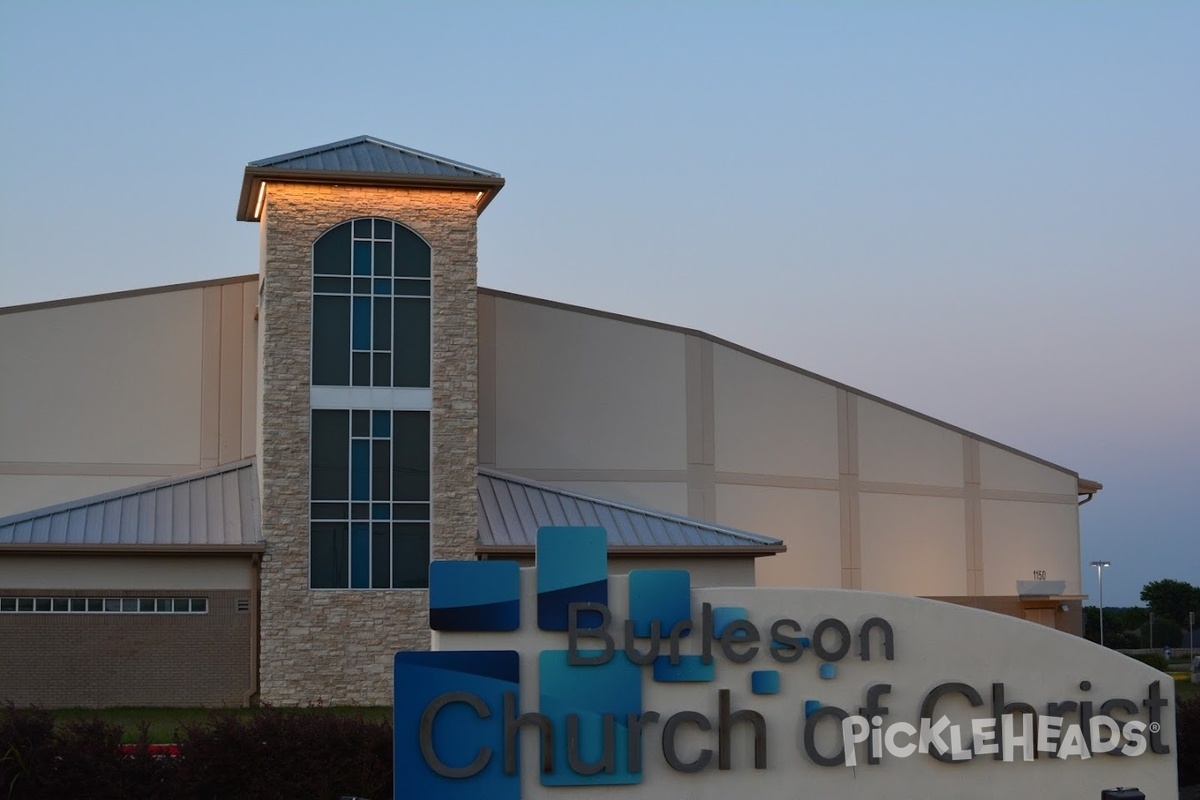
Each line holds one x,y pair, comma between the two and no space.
262,195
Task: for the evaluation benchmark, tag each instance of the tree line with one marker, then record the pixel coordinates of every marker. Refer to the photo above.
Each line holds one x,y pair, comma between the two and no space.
1168,600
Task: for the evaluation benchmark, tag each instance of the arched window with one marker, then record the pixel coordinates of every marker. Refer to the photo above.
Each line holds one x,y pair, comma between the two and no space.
370,502
371,288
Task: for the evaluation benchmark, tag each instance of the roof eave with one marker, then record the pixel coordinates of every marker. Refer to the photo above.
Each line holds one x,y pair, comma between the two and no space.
132,549
755,551
254,177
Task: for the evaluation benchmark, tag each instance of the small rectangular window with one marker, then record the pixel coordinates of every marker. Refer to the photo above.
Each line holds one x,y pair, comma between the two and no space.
383,229
383,260
162,604
145,604
129,604
410,555
8,604
411,288
95,604
199,605
112,604
362,229
330,555
330,510
59,604
41,604
79,604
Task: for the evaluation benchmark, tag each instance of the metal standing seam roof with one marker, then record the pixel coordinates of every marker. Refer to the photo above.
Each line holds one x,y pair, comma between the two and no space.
365,160
215,511
511,509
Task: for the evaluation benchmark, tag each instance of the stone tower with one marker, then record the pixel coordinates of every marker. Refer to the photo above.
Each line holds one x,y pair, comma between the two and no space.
367,405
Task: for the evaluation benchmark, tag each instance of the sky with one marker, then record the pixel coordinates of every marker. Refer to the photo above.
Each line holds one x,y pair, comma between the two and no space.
988,212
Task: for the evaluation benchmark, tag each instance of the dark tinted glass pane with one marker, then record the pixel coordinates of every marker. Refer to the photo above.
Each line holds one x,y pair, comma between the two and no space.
162,604
381,466
381,424
331,253
361,363
95,604
331,341
8,604
78,604
362,323
112,604
332,285
329,566
360,556
360,511
42,604
59,604
24,604
383,326
381,511
383,229
199,605
383,369
362,258
383,259
360,423
416,288
360,472
410,555
182,605
418,511
146,604
362,285
330,510
362,228
410,446
330,459
381,556
410,351
412,254
382,286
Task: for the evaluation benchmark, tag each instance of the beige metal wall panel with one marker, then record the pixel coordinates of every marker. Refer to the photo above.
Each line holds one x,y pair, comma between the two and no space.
581,391
805,519
20,493
772,420
1005,471
248,408
671,498
1021,538
898,447
913,544
102,572
112,381
232,330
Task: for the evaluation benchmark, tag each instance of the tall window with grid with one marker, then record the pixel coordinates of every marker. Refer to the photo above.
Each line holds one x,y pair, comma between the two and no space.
370,436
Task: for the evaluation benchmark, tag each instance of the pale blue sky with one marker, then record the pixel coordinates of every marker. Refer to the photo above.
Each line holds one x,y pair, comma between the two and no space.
988,212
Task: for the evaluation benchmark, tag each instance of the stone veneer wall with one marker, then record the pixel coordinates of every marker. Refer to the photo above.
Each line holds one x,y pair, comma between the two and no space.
336,646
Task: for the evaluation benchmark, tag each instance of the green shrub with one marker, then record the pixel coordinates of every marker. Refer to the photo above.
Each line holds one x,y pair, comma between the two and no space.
1155,660
273,753
1187,739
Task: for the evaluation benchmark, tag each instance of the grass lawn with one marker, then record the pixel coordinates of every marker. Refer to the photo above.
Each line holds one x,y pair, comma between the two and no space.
164,722
1184,688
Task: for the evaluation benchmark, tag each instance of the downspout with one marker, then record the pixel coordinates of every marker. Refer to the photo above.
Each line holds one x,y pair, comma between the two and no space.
251,695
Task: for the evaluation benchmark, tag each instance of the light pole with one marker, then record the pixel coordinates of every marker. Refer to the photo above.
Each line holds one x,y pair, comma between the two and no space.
1100,565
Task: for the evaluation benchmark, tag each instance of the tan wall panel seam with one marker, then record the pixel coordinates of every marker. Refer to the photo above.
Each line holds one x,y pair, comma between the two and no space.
99,469
1028,497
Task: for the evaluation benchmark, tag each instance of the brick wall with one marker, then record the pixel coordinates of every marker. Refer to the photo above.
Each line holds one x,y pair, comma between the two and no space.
336,646
102,660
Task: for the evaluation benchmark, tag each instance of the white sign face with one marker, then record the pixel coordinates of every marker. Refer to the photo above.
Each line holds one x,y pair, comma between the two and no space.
641,687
